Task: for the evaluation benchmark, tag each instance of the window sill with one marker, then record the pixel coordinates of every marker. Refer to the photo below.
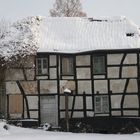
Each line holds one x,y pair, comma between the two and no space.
67,74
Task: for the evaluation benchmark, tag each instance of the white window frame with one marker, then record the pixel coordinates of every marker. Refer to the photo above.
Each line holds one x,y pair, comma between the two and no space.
101,103
43,70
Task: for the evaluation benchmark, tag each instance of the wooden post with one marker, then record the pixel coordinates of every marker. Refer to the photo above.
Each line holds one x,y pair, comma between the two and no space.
67,92
84,104
67,112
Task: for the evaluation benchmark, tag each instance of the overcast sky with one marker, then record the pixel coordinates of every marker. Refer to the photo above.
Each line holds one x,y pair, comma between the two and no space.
16,9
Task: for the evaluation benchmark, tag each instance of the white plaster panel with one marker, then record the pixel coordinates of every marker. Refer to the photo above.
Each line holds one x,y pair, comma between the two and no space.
101,86
62,85
114,59
113,72
117,86
83,73
70,84
68,77
83,60
12,88
33,102
79,102
116,101
77,114
84,86
130,59
90,113
129,71
42,77
14,74
62,102
131,113
116,113
52,60
53,74
30,87
89,102
131,101
34,114
48,86
30,73
132,86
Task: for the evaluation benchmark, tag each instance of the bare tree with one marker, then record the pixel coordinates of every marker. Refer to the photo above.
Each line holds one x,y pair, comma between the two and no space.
67,8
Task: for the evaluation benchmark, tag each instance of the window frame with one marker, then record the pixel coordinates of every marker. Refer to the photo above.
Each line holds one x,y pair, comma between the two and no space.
103,64
101,109
42,66
71,72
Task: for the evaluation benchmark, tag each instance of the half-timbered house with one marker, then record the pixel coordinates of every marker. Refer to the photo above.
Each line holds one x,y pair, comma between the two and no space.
97,59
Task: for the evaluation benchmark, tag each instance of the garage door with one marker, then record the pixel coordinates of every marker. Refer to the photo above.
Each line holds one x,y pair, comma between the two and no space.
48,108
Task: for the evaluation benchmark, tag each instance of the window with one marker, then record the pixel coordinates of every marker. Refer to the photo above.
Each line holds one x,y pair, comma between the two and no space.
99,65
67,66
42,66
101,104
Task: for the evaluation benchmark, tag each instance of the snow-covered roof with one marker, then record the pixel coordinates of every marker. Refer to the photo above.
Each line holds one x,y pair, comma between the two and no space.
75,34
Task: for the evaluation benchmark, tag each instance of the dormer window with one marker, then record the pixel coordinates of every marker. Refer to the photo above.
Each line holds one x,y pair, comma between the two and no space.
130,34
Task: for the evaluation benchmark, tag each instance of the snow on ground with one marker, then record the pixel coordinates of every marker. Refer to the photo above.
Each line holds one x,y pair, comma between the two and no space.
18,133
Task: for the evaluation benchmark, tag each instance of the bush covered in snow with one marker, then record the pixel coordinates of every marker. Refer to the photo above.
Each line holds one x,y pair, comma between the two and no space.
21,39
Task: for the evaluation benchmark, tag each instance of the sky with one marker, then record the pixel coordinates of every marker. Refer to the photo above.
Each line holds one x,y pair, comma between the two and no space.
17,9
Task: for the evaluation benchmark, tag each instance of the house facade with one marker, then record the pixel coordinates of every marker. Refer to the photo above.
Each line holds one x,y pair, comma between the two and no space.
96,59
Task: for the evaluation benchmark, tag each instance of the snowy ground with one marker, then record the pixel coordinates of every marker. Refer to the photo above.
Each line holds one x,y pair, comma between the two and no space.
17,133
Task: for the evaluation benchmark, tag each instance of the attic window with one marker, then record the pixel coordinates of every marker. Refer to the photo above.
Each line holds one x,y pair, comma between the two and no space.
130,34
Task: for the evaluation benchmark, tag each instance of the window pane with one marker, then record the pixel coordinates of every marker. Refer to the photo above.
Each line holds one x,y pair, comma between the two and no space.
105,104
42,66
39,71
98,65
97,104
101,104
44,63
